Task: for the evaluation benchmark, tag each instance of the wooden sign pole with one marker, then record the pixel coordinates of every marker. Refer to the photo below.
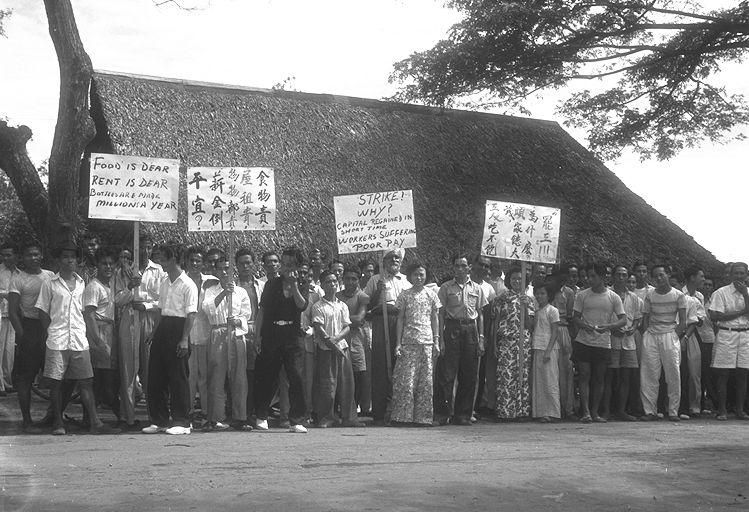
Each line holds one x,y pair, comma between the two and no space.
521,340
136,245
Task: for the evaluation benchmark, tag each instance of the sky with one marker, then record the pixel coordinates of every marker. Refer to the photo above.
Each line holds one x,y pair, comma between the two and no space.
344,47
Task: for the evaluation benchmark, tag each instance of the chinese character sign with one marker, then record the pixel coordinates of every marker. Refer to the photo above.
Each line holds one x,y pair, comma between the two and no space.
521,232
372,222
231,199
133,188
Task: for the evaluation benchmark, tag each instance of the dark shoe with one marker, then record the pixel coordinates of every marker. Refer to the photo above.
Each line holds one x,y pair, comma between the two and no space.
649,417
586,419
47,421
744,417
104,430
599,419
324,424
463,422
32,429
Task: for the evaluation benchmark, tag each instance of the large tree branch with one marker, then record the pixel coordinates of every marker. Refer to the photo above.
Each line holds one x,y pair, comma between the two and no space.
15,161
75,128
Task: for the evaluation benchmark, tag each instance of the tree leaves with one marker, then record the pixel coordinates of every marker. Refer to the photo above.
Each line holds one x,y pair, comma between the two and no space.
661,57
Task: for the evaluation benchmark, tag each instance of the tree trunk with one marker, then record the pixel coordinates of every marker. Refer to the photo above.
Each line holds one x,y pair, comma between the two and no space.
15,161
74,129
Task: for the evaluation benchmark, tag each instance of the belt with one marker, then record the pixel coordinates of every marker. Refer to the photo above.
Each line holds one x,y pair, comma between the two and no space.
461,322
734,329
283,322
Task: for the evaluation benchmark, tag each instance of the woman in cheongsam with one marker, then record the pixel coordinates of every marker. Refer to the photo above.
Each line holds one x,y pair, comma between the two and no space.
513,349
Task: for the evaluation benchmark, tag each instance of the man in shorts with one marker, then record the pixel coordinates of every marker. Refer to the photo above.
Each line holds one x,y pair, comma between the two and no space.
623,363
67,356
598,310
729,309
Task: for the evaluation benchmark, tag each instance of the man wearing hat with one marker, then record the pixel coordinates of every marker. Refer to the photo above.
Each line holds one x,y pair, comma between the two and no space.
383,289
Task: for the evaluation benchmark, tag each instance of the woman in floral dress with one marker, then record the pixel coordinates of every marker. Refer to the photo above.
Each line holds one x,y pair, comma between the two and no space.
513,390
417,344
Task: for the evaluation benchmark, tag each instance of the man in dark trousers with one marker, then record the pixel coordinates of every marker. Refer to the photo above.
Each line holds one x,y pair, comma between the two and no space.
278,327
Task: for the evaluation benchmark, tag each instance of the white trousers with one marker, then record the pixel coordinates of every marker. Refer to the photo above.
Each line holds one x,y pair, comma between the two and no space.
660,351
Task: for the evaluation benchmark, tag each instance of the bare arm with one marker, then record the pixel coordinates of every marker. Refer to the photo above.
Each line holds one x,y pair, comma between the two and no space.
182,346
399,331
92,333
14,313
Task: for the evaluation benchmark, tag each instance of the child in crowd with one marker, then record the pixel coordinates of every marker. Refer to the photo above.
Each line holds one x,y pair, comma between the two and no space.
334,377
357,301
545,403
417,345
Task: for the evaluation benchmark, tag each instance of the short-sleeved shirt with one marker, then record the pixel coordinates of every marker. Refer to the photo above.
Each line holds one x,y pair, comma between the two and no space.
6,276
241,308
663,310
564,301
200,334
643,292
417,308
704,331
546,317
28,286
462,301
279,308
489,291
354,302
67,329
633,311
149,289
100,296
178,298
597,309
727,299
332,315
394,286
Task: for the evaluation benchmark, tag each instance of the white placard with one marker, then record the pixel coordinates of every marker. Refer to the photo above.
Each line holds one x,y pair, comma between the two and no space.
521,232
133,188
376,221
231,199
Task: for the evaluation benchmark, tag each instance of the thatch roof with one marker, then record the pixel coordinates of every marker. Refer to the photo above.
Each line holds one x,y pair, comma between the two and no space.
322,146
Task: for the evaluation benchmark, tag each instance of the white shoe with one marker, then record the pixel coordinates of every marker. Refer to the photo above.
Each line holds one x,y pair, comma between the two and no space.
298,429
153,429
220,426
261,424
178,431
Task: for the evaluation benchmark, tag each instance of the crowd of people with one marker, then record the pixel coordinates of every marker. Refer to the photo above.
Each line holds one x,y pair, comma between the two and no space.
215,341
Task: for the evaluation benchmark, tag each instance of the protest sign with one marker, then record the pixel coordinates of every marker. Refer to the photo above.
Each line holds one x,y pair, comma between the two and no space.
133,188
376,221
231,199
521,232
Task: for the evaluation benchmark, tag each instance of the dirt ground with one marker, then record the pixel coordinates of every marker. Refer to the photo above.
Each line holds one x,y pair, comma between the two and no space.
694,465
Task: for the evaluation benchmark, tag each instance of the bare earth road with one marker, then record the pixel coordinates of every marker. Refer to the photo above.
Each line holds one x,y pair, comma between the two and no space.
694,465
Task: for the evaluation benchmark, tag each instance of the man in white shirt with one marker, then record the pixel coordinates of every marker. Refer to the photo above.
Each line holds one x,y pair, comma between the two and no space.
168,385
67,356
227,353
729,309
8,269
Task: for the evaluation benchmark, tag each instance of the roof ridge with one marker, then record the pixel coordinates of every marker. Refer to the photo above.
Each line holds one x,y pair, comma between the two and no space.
320,97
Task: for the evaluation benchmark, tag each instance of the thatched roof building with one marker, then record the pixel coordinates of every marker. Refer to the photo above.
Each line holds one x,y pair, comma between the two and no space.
322,146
